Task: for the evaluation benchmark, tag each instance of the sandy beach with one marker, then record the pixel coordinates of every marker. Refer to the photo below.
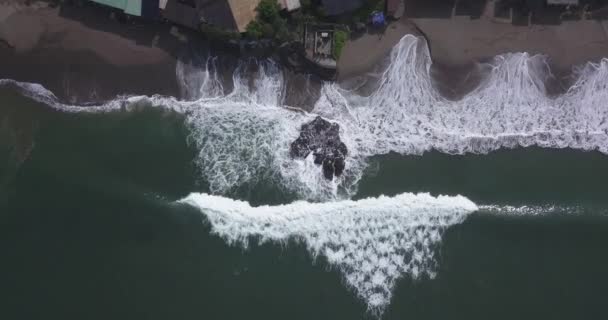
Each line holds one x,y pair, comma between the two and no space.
461,40
83,56
362,54
458,42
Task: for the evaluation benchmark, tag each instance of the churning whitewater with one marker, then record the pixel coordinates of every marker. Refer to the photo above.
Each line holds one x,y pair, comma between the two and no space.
244,135
372,242
406,114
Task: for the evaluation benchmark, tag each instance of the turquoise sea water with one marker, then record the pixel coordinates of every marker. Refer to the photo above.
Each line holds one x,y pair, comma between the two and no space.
90,229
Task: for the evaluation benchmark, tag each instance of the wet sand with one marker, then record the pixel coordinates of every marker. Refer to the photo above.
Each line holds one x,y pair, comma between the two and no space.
83,77
365,53
458,43
82,55
460,40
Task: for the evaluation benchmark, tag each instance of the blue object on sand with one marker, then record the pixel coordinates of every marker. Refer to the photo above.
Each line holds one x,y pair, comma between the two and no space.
378,19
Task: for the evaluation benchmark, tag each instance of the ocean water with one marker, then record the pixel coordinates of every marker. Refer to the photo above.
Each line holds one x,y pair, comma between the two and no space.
491,206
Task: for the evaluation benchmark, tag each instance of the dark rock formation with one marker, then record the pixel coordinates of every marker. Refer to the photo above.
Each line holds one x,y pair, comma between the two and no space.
322,138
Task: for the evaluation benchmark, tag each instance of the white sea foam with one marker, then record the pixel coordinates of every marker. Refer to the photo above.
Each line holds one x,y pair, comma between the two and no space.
196,82
39,93
509,108
244,135
538,210
373,242
406,114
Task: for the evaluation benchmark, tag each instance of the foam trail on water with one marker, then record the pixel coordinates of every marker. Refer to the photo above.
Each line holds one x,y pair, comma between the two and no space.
543,210
373,242
39,93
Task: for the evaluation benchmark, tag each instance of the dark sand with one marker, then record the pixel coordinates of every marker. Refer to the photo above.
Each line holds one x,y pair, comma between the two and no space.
458,43
81,76
460,40
82,55
363,54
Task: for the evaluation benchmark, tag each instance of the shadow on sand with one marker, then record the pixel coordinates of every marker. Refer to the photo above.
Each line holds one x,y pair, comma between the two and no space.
519,12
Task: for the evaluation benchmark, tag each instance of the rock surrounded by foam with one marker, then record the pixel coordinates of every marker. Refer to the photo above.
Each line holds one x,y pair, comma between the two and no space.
321,138
373,241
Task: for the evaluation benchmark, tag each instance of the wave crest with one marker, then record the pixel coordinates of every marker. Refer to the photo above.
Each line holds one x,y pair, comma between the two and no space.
373,242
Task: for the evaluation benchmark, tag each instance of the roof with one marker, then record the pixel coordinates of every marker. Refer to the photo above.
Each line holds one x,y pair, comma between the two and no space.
289,5
213,12
119,4
563,2
243,12
132,7
217,13
150,9
337,7
181,14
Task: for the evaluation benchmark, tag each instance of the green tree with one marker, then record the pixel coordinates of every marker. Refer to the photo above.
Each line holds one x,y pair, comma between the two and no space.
281,30
269,23
340,38
268,10
255,29
267,30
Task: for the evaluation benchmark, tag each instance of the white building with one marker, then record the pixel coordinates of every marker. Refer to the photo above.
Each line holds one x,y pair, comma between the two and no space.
289,5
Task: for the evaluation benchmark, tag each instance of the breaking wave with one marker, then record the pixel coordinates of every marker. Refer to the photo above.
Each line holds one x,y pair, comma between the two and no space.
509,108
373,242
244,135
406,114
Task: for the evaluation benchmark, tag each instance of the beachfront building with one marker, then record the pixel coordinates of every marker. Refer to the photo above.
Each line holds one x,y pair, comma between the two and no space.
289,5
243,11
229,15
319,45
138,8
131,7
197,13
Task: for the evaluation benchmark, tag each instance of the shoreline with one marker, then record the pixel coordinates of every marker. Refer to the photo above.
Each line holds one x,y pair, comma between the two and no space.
83,56
79,62
82,77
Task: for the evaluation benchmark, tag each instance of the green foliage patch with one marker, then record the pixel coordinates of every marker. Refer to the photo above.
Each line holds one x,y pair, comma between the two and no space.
340,37
268,23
